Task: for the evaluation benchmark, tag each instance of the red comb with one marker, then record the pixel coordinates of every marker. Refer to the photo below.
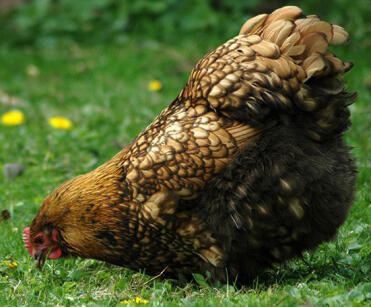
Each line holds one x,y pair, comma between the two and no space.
26,239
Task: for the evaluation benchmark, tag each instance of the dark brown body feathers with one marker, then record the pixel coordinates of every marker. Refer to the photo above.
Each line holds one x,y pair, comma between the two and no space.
245,168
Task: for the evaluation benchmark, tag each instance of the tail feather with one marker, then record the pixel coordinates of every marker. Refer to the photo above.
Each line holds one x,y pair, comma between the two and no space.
305,39
278,67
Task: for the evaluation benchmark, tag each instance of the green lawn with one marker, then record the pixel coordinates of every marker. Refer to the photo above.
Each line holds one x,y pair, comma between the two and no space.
104,92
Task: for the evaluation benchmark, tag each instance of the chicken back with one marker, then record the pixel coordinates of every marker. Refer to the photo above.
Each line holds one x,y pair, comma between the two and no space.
246,168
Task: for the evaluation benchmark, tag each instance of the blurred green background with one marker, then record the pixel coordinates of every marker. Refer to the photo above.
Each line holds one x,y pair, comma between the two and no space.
48,23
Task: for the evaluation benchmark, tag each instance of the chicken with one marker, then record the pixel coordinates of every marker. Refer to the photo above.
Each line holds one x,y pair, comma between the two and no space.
244,169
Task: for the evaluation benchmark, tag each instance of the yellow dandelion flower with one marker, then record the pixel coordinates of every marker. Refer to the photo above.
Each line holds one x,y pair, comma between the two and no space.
12,118
140,300
135,301
59,122
154,86
10,264
32,71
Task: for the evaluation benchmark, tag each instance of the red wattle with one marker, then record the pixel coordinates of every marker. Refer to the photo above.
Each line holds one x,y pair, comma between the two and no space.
26,240
55,254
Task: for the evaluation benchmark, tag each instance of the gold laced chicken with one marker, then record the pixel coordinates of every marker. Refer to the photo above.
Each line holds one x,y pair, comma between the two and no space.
245,168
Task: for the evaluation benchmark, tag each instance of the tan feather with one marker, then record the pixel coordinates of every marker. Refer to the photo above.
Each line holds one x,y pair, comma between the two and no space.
290,41
277,31
314,42
305,22
340,36
266,49
318,27
286,12
252,24
295,50
313,65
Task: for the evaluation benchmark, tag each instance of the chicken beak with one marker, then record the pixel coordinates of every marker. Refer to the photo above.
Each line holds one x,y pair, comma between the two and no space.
40,260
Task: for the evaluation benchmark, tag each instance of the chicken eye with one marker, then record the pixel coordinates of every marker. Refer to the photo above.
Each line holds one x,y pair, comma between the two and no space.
39,240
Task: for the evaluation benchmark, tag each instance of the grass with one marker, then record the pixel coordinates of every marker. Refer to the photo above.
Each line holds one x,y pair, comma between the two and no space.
103,91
